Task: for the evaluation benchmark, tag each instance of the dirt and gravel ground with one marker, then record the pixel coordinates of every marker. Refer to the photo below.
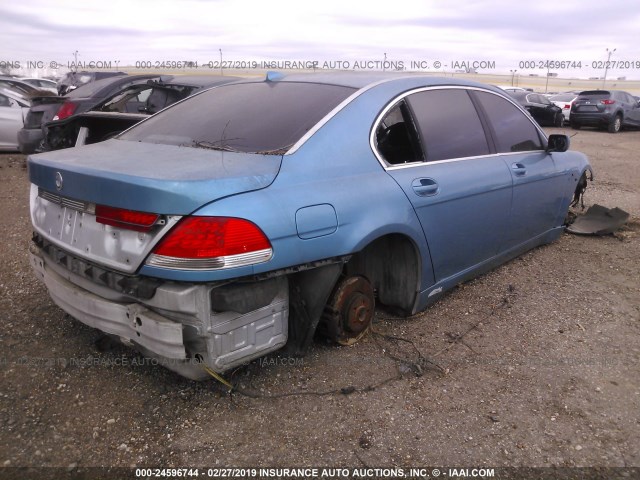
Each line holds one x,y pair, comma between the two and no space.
534,364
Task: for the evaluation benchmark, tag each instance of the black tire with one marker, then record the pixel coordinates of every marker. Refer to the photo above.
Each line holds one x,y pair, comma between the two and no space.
575,125
559,120
616,124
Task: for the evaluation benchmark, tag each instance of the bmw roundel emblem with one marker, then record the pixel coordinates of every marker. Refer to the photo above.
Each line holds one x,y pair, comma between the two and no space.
58,180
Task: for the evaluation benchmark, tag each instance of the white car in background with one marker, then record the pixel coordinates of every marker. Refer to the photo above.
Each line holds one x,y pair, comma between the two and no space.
42,84
564,101
13,110
511,89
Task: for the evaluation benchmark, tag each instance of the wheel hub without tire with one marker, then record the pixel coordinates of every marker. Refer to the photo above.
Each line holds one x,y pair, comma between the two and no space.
349,311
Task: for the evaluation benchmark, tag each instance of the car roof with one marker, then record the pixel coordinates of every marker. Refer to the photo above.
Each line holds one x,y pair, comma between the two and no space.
197,80
362,80
100,88
15,95
35,78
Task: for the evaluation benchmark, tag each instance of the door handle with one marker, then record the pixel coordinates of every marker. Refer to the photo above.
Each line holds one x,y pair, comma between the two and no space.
519,169
425,186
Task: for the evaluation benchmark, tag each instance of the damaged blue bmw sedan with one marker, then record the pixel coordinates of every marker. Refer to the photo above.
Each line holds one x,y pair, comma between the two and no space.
245,218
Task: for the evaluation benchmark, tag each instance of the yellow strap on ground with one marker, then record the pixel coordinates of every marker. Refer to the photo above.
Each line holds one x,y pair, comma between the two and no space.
217,377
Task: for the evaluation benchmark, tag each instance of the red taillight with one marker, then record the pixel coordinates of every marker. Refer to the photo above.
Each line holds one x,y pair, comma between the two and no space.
607,102
66,110
129,219
567,106
210,243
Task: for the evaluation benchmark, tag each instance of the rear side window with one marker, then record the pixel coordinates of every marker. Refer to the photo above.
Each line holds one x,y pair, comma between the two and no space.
266,117
596,93
626,98
514,132
448,124
396,137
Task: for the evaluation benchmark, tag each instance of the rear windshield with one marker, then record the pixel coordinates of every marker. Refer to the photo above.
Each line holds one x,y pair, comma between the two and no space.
595,93
90,89
263,117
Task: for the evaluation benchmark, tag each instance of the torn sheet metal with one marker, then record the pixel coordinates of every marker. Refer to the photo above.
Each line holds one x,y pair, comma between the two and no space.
599,220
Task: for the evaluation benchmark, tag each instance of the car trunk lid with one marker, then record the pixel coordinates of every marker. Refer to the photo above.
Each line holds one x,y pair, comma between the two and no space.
149,177
68,186
591,101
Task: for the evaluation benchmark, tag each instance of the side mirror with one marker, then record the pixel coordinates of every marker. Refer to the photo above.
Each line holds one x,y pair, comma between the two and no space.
558,143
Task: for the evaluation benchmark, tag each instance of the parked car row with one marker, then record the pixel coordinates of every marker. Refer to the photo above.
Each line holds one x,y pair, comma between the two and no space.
78,124
248,216
105,107
45,103
604,109
98,105
32,136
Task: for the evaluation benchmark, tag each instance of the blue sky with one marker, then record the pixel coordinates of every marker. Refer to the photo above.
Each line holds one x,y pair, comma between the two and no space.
405,30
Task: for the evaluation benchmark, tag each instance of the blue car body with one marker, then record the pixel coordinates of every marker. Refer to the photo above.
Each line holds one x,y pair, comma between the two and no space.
332,207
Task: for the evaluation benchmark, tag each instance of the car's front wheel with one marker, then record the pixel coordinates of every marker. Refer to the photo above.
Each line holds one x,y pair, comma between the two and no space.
616,124
559,121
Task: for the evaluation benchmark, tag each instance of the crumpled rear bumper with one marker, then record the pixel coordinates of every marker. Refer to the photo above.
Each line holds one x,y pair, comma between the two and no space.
181,326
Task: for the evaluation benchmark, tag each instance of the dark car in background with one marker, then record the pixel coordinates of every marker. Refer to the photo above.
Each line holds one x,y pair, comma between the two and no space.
125,108
543,111
30,138
73,80
610,109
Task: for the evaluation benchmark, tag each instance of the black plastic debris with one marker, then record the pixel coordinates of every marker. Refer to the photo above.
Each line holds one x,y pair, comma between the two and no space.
599,220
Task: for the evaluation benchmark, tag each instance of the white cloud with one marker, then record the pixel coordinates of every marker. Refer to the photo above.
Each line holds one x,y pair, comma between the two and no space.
506,32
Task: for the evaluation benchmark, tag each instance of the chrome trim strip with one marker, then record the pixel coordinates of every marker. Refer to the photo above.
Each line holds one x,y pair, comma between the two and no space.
393,102
78,205
216,263
459,159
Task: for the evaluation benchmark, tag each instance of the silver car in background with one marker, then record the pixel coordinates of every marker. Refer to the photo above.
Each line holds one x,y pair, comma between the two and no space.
13,110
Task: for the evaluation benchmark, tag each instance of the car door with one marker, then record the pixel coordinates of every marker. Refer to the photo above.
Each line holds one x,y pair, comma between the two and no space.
549,108
11,121
538,185
632,109
542,113
460,192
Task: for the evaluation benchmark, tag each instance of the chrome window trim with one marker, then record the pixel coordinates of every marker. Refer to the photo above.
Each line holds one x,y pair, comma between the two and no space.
459,159
333,113
402,96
